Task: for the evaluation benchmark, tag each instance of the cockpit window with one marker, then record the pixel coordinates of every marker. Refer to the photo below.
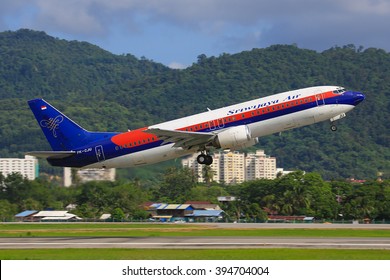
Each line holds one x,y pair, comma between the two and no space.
339,91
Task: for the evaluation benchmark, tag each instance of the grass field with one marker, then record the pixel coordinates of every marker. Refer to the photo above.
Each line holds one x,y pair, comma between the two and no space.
197,254
163,230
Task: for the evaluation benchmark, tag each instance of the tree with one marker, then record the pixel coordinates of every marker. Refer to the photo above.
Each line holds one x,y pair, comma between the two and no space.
177,184
208,174
118,214
7,210
296,198
94,198
15,188
256,213
203,193
128,197
31,204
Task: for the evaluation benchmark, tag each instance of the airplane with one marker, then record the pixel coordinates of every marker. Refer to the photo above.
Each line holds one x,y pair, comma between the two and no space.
233,127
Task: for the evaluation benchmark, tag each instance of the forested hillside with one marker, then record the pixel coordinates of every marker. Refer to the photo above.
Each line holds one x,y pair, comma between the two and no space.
103,91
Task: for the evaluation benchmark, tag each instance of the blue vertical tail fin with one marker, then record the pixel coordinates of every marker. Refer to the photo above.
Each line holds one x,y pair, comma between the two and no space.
62,133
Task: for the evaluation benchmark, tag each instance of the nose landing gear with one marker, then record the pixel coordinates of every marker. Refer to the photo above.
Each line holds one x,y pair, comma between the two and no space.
333,127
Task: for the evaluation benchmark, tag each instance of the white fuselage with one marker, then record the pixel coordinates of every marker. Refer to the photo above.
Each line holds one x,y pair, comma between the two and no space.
218,120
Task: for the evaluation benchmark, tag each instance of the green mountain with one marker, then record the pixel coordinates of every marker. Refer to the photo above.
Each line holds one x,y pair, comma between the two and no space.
103,91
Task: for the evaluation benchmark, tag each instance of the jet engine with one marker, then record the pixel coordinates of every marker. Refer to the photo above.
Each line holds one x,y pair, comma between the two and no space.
235,138
248,144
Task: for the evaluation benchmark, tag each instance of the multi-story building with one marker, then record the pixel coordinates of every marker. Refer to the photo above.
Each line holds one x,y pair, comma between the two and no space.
199,169
235,167
28,166
232,168
86,175
260,166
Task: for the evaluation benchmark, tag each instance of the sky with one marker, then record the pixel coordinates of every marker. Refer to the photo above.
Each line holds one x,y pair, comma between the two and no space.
176,32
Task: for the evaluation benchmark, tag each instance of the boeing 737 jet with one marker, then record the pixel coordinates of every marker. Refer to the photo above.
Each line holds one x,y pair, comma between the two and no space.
233,127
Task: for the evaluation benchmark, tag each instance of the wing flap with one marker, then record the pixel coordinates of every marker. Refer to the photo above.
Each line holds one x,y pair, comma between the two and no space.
51,154
183,139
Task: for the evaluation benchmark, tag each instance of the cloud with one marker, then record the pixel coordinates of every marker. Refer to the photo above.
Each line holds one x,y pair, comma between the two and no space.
222,25
69,16
177,65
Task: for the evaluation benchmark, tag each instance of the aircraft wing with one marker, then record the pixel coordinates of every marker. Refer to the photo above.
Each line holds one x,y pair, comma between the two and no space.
184,139
51,154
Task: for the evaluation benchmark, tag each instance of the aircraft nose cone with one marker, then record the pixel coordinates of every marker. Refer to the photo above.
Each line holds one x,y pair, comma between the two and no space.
359,97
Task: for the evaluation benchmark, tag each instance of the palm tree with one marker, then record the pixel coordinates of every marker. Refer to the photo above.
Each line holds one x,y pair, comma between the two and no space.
208,174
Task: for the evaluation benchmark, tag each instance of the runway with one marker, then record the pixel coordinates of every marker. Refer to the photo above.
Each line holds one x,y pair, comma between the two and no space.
230,242
195,243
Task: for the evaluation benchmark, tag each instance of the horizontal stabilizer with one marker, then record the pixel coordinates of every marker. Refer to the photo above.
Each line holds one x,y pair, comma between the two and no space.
51,154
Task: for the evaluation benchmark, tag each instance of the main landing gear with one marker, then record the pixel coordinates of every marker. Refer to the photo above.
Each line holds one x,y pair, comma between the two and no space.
333,127
204,159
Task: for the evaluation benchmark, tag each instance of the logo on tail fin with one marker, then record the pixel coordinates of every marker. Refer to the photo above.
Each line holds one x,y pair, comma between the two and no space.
52,124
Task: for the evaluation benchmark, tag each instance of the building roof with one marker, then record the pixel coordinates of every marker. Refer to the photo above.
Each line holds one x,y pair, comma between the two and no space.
55,215
206,206
155,206
51,214
65,218
25,213
71,207
206,213
197,202
105,216
174,207
184,207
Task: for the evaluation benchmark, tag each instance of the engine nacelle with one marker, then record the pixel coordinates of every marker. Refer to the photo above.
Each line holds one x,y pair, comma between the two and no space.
235,138
248,144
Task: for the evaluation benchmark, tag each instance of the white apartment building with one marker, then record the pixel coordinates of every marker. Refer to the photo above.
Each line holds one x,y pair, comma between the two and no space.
235,167
28,166
198,169
260,166
86,175
232,168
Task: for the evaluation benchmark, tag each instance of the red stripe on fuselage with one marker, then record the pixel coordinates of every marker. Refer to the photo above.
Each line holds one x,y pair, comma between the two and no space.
133,138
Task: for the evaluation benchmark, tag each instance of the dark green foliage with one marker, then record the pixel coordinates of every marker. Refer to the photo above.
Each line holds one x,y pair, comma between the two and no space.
294,194
102,91
176,185
308,194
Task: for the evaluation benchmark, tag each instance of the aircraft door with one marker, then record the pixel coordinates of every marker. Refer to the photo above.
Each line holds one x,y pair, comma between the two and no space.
320,99
99,153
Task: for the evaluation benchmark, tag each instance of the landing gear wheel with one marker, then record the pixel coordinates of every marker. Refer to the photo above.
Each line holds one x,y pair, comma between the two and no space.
201,159
204,159
209,160
333,127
